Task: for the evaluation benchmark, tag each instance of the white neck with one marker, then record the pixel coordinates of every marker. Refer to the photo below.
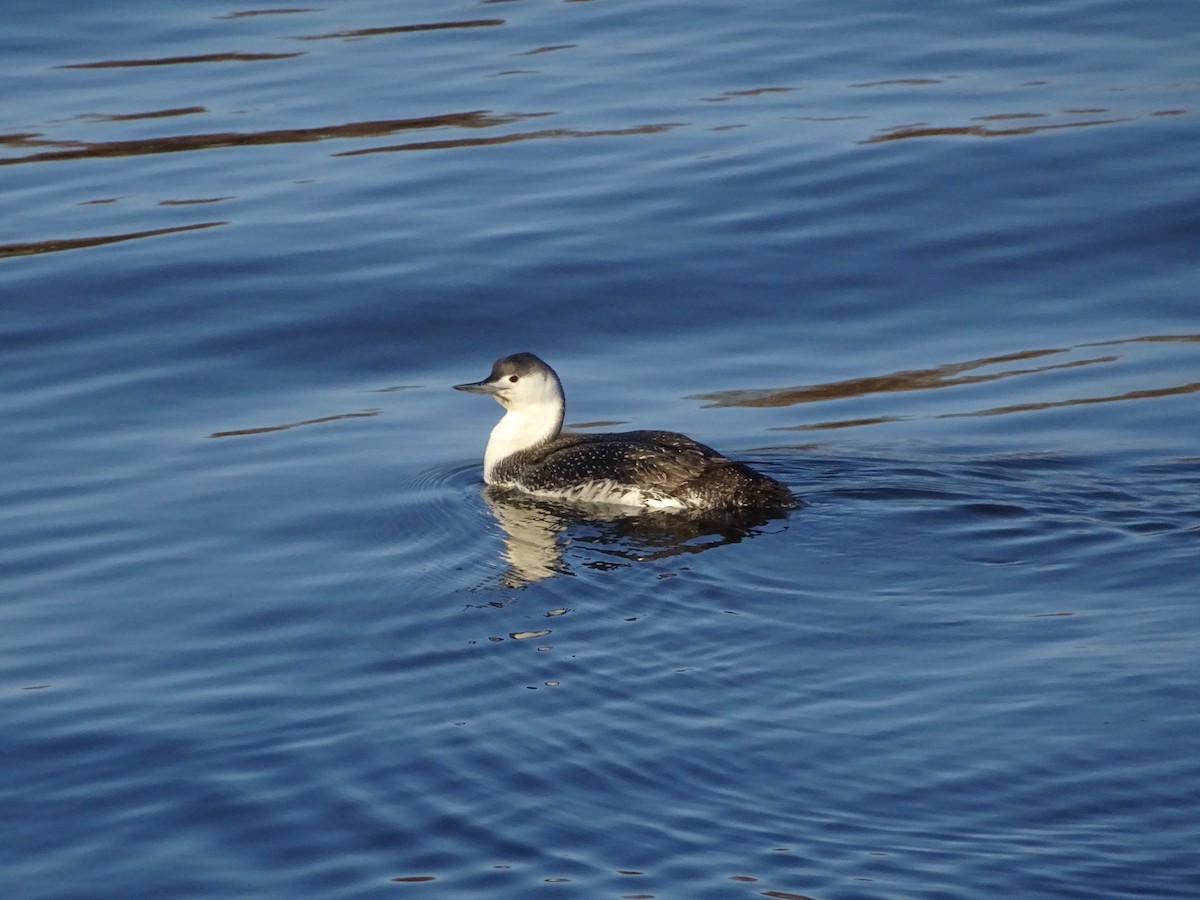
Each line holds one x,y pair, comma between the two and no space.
533,424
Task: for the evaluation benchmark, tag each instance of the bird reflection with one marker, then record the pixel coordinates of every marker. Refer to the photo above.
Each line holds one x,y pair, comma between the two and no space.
538,533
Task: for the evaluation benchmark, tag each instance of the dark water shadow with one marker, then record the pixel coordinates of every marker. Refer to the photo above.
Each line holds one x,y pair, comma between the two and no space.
544,538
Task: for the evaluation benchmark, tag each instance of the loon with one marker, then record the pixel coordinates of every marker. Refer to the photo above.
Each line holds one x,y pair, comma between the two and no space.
654,470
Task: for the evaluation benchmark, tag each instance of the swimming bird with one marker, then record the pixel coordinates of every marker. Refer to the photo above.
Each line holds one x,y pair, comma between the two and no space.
658,470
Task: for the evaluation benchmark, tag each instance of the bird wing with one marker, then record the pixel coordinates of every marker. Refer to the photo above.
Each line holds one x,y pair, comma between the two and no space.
655,461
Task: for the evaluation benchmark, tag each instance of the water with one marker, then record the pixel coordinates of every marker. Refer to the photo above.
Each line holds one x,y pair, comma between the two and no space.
261,632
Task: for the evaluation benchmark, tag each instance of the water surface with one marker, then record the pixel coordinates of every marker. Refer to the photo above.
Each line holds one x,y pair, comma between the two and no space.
263,634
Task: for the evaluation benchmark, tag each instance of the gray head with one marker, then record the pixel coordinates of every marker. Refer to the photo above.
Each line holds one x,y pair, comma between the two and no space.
519,381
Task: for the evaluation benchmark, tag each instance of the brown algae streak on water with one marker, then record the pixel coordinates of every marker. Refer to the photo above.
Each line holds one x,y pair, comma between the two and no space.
196,202
27,139
952,375
948,375
893,82
752,92
1143,394
1149,339
152,114
512,139
844,423
550,48
1006,117
185,142
53,246
267,429
393,389
246,14
901,134
399,29
180,60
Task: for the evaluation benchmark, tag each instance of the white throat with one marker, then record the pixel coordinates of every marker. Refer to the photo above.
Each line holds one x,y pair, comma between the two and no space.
531,425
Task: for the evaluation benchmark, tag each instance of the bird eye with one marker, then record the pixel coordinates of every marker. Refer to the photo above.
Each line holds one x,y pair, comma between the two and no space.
513,378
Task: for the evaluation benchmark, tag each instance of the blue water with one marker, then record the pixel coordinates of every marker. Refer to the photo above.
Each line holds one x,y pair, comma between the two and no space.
263,635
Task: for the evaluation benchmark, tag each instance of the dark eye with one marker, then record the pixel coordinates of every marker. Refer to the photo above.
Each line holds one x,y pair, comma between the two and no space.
513,378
